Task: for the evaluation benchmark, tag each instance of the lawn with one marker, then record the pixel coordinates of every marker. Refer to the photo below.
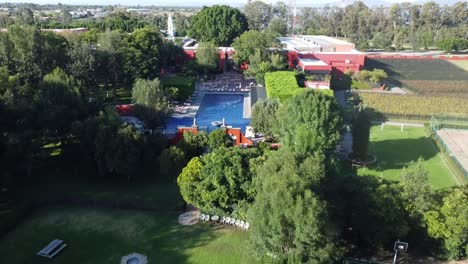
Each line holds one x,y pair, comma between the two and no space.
395,150
461,63
104,236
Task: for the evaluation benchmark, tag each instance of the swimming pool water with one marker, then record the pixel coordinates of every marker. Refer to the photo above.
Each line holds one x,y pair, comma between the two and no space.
215,107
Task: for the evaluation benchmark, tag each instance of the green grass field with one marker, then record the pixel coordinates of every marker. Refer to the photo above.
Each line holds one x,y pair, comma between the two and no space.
104,236
461,63
395,150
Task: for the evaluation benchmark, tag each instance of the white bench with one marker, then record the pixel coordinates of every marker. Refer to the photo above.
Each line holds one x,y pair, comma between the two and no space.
52,249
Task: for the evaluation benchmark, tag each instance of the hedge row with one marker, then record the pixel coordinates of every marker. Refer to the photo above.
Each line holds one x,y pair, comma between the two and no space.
282,85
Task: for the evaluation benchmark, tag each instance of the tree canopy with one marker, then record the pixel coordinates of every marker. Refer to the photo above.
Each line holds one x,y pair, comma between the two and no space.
219,24
309,122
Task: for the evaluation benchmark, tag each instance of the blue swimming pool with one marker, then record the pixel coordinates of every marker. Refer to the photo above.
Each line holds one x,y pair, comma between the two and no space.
215,107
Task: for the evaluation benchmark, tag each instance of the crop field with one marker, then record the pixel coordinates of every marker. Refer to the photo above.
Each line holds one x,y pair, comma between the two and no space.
437,88
427,77
418,107
411,69
395,149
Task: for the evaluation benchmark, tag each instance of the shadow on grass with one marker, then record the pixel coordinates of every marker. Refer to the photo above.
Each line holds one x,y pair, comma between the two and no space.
104,236
397,153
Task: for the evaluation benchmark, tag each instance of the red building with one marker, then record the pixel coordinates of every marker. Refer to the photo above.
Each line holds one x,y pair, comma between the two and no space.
308,53
322,54
225,53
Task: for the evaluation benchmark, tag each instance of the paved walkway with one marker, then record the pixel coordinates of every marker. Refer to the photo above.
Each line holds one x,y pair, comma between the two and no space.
346,145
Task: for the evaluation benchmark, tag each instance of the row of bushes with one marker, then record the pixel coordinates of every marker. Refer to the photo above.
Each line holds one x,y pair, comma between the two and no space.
282,85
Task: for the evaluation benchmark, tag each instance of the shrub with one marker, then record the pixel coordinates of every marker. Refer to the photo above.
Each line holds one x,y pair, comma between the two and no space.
281,85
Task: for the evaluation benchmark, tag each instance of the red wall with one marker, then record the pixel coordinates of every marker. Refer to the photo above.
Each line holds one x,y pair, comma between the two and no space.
337,61
240,138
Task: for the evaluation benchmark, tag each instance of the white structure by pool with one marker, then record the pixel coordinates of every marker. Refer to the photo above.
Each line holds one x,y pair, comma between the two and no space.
134,258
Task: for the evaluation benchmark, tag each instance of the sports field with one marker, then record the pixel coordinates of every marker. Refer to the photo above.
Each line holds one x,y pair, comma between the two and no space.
395,150
104,236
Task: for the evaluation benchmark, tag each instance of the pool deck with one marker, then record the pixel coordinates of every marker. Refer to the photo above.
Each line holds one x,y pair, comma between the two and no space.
200,94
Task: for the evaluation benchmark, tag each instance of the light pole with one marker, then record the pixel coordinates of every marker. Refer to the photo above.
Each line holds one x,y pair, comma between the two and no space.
399,247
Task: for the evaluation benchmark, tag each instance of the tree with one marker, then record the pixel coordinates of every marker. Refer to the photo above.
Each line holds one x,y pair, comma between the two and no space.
118,146
264,116
427,39
449,224
54,51
189,179
258,67
377,75
381,41
193,144
142,57
59,104
373,207
171,162
26,50
221,181
278,27
83,64
207,57
361,132
152,104
452,44
309,122
110,47
289,222
258,14
219,139
218,24
416,188
251,42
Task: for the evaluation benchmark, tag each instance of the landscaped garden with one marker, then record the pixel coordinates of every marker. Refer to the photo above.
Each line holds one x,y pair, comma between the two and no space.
105,236
395,149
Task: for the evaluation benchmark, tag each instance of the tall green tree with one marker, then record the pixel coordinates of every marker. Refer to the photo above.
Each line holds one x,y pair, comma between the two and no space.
449,224
218,24
264,116
251,42
416,188
309,122
361,133
207,57
258,14
221,181
59,104
219,139
142,58
152,105
83,64
26,52
278,27
289,222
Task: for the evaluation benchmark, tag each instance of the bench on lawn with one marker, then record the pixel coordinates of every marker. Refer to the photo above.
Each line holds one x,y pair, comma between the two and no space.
52,249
